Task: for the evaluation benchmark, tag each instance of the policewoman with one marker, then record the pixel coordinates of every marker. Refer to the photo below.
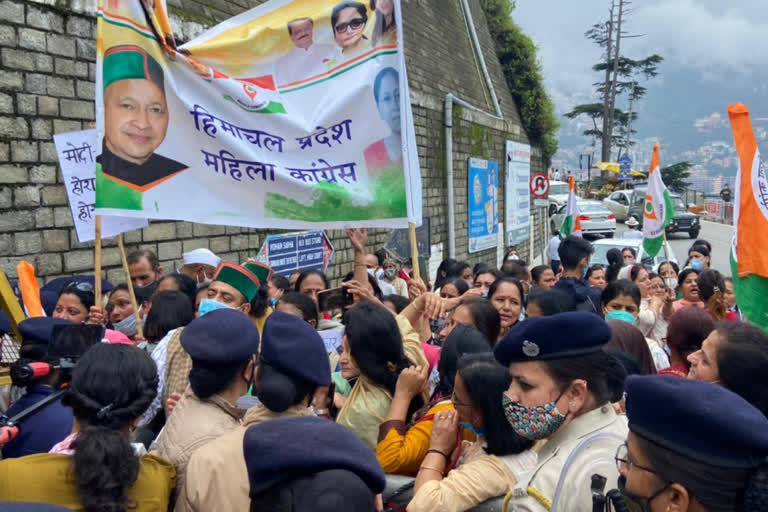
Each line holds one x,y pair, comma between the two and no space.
704,450
561,393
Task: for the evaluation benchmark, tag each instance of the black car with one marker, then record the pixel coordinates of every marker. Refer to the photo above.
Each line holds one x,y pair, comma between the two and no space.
683,221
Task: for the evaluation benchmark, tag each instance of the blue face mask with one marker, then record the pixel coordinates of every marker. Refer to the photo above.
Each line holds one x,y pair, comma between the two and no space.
208,305
621,315
478,432
697,264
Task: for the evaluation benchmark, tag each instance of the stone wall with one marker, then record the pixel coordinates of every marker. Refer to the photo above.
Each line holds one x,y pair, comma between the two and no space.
47,74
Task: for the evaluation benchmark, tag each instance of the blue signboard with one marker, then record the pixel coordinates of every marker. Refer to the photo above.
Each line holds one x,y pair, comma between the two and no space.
483,204
307,250
625,166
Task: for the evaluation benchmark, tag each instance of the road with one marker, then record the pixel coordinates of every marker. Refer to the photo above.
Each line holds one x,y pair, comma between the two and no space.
719,235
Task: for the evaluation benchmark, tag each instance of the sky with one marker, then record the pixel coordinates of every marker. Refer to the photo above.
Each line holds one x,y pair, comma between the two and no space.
717,40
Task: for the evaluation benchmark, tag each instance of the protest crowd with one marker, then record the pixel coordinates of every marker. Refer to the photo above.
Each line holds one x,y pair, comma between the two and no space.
240,388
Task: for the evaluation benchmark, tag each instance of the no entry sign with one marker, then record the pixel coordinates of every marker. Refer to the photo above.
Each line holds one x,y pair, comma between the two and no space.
539,186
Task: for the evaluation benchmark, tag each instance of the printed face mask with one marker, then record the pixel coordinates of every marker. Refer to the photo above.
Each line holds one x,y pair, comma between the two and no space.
624,316
208,305
533,422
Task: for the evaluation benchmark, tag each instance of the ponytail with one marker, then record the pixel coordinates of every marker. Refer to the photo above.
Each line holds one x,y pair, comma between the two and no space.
712,290
716,306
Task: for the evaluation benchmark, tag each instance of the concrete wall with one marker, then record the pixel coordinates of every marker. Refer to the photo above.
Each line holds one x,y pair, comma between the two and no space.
47,73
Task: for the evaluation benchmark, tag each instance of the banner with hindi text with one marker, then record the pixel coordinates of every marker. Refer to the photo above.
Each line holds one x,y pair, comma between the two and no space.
294,114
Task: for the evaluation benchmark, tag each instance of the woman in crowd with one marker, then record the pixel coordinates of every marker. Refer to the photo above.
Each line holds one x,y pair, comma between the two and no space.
548,302
735,355
629,255
474,312
461,270
689,290
669,271
348,20
402,445
615,262
563,384
298,304
705,451
454,288
385,26
688,328
506,295
74,302
311,282
699,257
170,310
485,277
712,291
178,282
96,468
730,299
596,276
543,277
372,358
651,306
628,338
119,310
442,273
479,470
666,296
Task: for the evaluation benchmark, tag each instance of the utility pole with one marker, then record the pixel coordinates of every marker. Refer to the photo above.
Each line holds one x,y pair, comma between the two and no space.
608,135
606,142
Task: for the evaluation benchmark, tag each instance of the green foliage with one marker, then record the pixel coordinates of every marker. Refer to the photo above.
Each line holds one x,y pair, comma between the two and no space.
674,176
522,72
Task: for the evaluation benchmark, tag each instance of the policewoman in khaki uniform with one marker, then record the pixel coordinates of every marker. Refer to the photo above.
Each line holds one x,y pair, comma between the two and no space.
562,388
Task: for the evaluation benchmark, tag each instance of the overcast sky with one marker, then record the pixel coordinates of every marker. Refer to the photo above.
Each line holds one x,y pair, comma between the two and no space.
719,39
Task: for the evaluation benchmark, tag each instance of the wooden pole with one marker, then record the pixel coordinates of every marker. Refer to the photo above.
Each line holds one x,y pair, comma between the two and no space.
97,262
666,251
414,251
131,294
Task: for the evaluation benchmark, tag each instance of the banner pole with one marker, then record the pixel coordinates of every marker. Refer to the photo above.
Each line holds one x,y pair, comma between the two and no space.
97,261
131,294
666,251
414,251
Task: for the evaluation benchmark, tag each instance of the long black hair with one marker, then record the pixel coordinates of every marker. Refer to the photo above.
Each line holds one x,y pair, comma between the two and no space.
615,262
486,381
184,284
619,288
442,272
112,386
170,310
377,346
484,317
742,362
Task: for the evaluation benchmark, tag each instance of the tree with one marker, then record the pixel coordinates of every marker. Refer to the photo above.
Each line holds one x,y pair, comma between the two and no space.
522,72
674,176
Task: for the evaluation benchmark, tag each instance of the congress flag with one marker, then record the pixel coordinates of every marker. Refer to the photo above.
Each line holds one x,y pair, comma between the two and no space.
749,264
658,209
571,223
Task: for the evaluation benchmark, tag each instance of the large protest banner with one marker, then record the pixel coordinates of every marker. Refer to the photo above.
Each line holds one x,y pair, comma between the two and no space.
294,114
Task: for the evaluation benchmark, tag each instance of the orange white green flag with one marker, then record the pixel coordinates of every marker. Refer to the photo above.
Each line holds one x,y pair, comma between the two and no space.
658,209
571,223
749,264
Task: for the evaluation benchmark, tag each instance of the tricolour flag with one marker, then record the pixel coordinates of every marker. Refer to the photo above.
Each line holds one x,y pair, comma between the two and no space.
658,209
749,263
571,223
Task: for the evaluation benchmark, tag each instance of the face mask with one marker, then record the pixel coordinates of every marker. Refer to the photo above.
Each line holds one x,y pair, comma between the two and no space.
478,432
390,272
206,280
697,264
208,305
273,302
670,283
380,274
533,423
624,316
372,272
127,325
633,501
248,400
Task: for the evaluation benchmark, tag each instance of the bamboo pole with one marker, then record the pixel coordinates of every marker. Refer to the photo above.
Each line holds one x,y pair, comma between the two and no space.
131,294
414,251
97,261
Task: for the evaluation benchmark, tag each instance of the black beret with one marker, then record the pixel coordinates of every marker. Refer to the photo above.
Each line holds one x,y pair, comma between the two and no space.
289,447
699,420
39,330
59,283
561,336
224,336
291,346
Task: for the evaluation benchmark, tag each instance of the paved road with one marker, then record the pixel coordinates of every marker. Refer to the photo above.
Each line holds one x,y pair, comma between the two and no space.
719,235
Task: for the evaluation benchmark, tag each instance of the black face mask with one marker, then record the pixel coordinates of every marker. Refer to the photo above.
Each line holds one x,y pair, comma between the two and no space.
145,292
634,502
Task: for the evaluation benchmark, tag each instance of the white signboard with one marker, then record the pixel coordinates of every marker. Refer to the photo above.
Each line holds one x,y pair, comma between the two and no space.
517,200
78,168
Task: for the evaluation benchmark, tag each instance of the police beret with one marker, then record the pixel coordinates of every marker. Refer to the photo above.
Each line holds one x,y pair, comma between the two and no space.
561,336
224,336
285,447
60,282
699,420
293,347
39,330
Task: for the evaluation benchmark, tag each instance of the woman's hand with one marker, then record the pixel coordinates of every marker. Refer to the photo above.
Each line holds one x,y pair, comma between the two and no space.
360,291
473,292
97,316
320,398
172,402
416,288
358,237
412,380
445,428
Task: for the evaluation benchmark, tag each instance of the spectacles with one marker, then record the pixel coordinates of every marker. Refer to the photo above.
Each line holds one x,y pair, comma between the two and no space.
79,285
355,24
623,461
456,401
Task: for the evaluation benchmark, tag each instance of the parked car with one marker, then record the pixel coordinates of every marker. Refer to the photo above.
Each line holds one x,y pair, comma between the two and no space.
558,195
595,218
618,203
603,246
683,220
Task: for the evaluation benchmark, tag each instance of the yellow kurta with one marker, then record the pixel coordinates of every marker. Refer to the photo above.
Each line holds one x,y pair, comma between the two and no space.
47,478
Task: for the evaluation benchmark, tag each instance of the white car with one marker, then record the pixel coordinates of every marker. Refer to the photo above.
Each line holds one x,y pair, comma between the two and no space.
619,203
595,218
558,195
603,246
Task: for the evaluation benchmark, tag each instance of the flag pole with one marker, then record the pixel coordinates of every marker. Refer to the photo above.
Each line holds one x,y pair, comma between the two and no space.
139,328
97,261
414,251
666,251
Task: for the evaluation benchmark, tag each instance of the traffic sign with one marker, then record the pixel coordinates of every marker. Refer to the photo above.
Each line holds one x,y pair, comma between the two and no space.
539,186
305,250
625,166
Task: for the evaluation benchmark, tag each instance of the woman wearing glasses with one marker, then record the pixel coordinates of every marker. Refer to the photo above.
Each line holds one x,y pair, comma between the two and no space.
704,451
74,302
348,21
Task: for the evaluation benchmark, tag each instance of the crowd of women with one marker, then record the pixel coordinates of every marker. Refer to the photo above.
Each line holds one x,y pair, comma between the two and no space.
239,389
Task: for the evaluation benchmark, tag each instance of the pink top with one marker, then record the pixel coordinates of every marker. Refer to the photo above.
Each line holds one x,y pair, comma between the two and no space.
682,303
433,354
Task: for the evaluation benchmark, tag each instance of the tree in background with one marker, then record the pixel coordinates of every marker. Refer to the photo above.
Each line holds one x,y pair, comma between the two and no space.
674,176
522,72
